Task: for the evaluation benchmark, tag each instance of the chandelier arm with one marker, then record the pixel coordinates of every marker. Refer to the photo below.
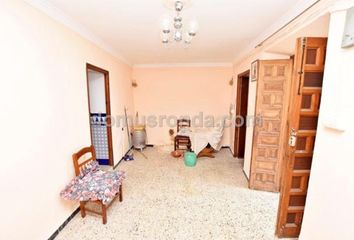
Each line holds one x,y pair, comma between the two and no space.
178,32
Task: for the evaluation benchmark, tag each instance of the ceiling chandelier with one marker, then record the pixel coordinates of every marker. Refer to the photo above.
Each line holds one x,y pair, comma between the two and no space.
177,32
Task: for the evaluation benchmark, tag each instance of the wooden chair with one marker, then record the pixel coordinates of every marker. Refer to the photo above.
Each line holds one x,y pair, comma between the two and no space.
78,169
182,142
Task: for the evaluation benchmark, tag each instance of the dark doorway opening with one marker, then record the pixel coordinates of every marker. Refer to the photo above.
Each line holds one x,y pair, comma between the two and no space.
241,113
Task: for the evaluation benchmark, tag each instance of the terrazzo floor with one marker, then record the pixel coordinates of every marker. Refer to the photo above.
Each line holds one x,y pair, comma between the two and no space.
163,199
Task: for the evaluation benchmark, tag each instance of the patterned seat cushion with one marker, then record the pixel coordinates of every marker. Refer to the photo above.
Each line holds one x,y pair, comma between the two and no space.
94,185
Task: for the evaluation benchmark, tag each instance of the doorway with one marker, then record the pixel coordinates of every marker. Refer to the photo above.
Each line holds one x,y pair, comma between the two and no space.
241,113
100,113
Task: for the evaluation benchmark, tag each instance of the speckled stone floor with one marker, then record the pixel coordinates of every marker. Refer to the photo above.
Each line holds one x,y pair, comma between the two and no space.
163,199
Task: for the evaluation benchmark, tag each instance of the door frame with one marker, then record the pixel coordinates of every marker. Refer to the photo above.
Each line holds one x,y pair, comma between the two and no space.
238,109
108,107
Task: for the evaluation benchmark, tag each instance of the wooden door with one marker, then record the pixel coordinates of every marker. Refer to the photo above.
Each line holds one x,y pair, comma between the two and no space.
273,89
302,124
241,111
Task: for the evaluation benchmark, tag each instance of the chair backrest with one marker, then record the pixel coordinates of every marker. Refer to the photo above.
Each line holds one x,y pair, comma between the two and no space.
181,123
76,159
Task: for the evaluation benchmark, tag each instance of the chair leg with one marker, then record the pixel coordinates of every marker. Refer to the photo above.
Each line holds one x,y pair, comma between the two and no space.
121,193
104,213
175,145
82,209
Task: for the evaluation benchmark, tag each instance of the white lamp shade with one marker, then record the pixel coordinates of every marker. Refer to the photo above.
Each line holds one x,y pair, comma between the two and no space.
166,23
193,26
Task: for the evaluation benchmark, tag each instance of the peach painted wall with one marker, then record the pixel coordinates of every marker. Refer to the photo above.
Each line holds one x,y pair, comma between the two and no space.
44,116
179,91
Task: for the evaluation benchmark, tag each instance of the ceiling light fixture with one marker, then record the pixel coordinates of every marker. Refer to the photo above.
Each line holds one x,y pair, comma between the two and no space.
177,33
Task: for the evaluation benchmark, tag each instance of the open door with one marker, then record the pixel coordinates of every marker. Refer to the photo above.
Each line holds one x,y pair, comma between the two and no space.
241,111
273,86
302,124
100,113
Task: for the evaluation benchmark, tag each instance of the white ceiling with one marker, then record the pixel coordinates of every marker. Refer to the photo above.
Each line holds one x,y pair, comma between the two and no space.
132,27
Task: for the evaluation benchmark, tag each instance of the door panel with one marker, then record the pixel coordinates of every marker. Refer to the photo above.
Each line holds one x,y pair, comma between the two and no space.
271,105
302,121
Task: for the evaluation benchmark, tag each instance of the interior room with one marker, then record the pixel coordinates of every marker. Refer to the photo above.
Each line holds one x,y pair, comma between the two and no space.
177,119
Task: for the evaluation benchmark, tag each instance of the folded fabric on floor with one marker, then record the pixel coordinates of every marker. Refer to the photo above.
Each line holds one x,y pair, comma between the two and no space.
94,184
